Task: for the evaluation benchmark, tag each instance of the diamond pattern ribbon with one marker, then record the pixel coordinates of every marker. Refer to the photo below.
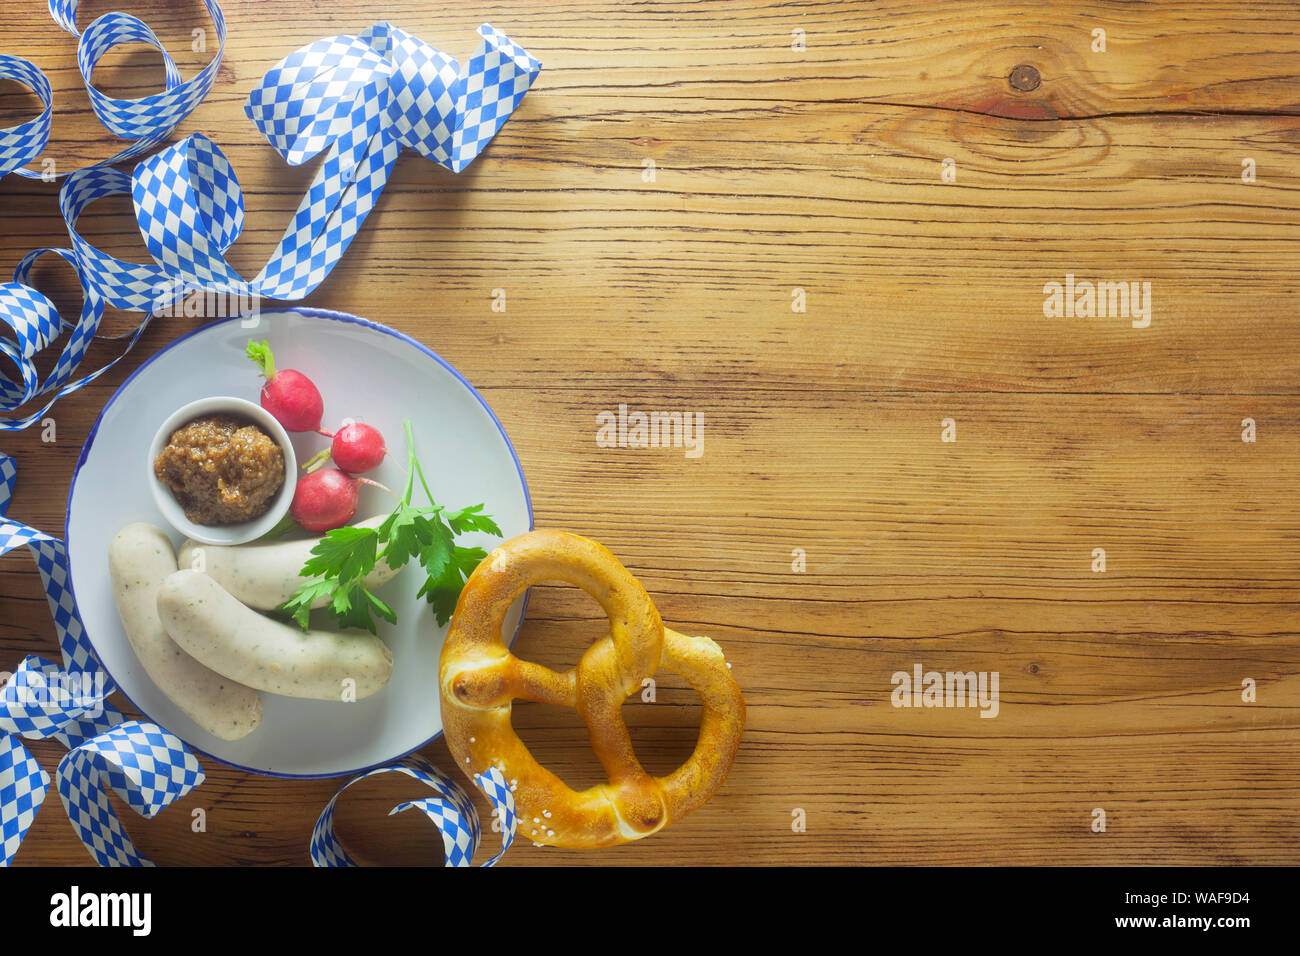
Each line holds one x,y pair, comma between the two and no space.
148,120
143,764
362,100
19,145
147,766
359,99
451,811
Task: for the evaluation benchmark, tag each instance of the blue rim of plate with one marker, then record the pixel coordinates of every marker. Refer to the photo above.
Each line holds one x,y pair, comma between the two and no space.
314,314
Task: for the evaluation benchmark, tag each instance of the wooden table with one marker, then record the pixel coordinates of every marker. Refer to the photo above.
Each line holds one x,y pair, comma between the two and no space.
827,229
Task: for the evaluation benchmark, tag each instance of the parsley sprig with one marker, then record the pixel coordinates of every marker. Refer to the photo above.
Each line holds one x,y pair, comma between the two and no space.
343,557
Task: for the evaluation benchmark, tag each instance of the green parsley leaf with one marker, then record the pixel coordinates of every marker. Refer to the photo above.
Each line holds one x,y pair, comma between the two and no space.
299,606
442,590
343,557
353,606
408,530
345,553
472,519
435,555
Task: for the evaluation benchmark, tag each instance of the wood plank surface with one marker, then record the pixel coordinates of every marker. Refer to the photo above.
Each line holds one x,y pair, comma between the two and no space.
821,169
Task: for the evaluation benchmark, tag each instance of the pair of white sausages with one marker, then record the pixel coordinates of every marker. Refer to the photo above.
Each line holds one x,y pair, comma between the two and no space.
210,652
140,558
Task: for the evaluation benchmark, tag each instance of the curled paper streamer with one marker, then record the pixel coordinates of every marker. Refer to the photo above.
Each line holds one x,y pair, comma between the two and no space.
36,324
148,120
451,811
44,700
143,764
21,144
22,791
37,702
361,100
149,767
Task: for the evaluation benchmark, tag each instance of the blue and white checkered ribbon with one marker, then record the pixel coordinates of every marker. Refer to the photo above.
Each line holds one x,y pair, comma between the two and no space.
19,145
360,99
148,120
147,766
143,764
451,811
363,99
36,323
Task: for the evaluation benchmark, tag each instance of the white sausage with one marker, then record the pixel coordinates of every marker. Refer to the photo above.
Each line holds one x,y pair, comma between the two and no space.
264,576
213,626
140,556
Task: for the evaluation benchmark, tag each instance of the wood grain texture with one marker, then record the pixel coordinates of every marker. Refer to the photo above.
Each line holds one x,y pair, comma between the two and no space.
820,169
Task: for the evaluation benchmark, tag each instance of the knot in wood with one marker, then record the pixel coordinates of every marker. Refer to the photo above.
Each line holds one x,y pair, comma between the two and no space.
1024,78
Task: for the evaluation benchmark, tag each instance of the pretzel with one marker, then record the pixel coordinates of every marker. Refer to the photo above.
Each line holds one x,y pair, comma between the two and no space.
479,678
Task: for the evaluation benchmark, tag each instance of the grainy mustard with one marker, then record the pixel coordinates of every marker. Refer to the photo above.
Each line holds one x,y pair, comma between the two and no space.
222,470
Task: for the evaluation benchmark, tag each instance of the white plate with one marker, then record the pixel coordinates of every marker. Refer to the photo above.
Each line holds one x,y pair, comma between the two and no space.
366,372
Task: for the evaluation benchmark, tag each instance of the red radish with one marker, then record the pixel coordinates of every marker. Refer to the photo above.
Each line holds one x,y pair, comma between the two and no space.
324,500
358,448
289,396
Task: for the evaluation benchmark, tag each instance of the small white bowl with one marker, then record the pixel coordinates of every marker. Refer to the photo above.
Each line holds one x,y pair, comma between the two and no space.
244,531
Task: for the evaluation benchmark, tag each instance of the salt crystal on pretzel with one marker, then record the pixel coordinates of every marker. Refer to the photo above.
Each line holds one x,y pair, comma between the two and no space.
479,679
